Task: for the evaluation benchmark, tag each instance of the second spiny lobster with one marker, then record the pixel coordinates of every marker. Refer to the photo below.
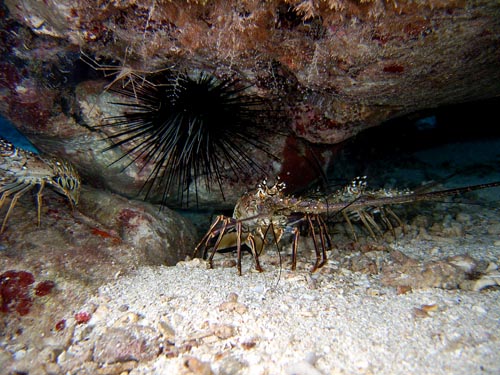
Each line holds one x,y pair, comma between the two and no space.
22,170
268,209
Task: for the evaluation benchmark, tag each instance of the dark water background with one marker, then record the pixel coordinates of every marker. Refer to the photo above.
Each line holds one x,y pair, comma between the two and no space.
456,145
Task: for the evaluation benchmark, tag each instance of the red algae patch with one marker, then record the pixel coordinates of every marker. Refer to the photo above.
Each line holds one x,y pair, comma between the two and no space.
60,325
45,287
16,291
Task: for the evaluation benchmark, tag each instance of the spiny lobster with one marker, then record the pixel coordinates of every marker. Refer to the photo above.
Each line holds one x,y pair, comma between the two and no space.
268,208
22,170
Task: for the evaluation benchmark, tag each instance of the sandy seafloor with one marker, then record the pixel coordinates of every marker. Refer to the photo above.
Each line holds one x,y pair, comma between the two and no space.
335,321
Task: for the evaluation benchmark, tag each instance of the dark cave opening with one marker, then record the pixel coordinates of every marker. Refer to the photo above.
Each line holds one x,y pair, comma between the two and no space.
461,140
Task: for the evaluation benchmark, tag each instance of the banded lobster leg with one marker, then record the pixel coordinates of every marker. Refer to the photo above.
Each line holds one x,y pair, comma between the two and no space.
370,223
16,190
227,238
324,239
385,214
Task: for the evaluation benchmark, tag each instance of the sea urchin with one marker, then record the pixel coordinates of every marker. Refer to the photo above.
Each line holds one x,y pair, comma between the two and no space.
186,128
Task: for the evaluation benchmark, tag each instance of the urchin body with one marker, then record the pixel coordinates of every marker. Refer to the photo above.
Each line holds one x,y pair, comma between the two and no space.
186,129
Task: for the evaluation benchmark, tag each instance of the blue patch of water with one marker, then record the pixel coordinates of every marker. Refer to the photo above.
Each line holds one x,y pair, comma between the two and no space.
9,132
426,123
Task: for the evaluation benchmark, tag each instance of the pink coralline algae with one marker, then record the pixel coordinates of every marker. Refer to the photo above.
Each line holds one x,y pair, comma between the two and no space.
82,317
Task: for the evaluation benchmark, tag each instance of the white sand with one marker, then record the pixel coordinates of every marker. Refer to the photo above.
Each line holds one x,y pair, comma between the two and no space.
327,323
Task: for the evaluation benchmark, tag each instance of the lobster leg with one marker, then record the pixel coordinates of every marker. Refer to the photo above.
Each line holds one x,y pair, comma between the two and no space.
368,221
395,217
320,260
296,235
387,221
208,236
349,224
253,248
39,201
316,250
238,245
325,239
17,195
225,221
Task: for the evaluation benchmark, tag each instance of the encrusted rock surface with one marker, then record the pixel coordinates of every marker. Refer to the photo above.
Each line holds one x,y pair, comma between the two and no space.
105,228
48,272
332,67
